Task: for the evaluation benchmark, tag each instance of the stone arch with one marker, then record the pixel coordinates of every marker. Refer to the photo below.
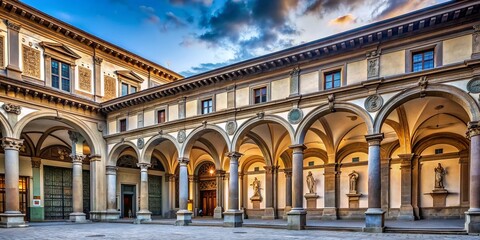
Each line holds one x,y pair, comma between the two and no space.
247,162
433,90
455,140
93,138
200,163
197,133
351,148
5,127
117,150
316,152
150,145
253,122
323,110
163,160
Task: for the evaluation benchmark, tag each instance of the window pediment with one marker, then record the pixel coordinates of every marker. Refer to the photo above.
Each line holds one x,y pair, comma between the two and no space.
129,75
58,50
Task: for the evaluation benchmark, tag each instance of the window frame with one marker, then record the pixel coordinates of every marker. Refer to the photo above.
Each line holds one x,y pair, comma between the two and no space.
60,75
257,87
423,61
437,56
119,128
202,108
325,71
156,115
61,53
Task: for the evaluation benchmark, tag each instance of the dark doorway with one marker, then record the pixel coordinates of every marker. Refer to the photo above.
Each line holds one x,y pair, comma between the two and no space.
128,201
208,201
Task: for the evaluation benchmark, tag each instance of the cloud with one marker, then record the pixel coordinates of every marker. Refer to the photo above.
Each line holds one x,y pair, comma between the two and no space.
320,7
392,8
171,20
343,20
205,3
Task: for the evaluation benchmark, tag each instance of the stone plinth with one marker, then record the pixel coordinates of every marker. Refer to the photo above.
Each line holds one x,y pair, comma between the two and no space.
232,218
78,217
144,216
439,196
354,200
12,220
374,220
269,214
256,200
311,200
296,220
472,222
218,213
184,218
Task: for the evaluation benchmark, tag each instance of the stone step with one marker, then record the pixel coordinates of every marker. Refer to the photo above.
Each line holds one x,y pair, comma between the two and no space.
448,231
332,228
274,226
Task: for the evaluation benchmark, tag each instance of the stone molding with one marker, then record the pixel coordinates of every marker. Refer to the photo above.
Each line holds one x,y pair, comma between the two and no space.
374,139
95,158
11,108
12,143
13,26
298,148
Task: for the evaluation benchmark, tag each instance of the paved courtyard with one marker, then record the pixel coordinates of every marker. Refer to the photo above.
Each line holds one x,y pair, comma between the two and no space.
151,231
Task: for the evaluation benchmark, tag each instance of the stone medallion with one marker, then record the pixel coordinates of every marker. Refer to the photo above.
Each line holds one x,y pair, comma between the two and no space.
295,115
473,85
140,143
181,136
373,103
231,127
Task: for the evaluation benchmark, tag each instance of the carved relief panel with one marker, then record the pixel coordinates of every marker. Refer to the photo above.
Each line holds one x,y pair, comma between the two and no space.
31,62
85,77
109,87
2,52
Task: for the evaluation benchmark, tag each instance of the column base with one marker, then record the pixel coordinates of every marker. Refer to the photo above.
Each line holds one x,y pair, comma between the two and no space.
297,219
184,218
285,212
12,220
406,213
232,219
269,214
472,221
218,213
374,220
78,217
330,213
109,215
144,216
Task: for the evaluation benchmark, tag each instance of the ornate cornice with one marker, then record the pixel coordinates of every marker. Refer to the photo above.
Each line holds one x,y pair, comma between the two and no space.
10,108
11,143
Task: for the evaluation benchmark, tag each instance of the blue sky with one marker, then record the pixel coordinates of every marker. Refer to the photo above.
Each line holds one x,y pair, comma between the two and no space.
194,36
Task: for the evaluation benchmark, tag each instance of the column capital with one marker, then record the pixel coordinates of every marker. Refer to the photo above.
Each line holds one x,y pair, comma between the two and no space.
36,162
77,158
111,170
11,143
234,155
97,60
143,166
473,129
374,139
220,173
192,178
13,26
95,158
288,172
183,160
169,177
269,169
298,147
73,136
331,169
406,159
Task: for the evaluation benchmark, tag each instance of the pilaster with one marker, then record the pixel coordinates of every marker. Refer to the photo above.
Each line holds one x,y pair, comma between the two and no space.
13,67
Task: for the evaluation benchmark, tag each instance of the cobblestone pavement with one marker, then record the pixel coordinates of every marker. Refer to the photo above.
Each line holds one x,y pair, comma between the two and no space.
144,231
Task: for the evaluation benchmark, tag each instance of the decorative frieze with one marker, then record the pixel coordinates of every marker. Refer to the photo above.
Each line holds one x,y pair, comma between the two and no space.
85,79
10,108
110,87
31,62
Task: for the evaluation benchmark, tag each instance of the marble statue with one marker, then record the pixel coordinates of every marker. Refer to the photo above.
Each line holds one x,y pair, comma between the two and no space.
310,182
439,175
353,181
256,187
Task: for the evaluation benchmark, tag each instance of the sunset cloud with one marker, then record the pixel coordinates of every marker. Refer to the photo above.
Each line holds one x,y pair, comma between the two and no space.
343,20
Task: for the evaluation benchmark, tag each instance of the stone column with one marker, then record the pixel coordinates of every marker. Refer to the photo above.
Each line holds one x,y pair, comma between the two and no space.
385,171
241,191
144,215
297,217
13,36
12,217
374,217
36,212
472,216
233,216
77,189
112,211
184,217
218,211
288,192
269,213
406,208
330,198
464,162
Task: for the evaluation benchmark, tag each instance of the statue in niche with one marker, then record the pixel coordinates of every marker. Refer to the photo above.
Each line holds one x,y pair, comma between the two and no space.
353,179
439,176
310,182
256,187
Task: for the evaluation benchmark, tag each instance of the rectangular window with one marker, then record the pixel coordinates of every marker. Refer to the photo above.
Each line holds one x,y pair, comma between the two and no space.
260,95
161,116
422,60
60,75
123,125
355,159
124,89
332,79
256,169
207,106
439,151
133,89
311,163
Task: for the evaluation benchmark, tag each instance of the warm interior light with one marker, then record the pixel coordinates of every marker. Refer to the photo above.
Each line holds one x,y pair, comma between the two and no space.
210,171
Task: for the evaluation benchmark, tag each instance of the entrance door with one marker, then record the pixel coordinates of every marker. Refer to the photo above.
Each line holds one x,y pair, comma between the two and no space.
128,201
23,195
208,201
155,194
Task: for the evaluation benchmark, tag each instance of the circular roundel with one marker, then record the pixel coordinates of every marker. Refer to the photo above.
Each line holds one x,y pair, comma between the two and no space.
181,136
373,103
295,115
473,85
231,127
140,143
